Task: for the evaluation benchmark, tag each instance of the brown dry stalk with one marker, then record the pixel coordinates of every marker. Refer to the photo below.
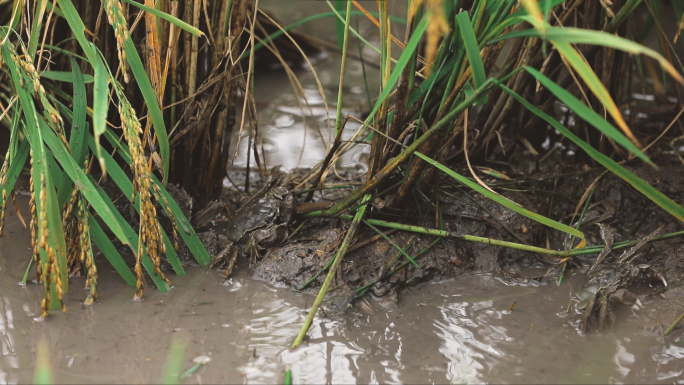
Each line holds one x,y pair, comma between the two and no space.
153,51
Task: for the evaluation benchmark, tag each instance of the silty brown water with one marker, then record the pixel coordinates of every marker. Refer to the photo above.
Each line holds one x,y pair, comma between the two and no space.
450,332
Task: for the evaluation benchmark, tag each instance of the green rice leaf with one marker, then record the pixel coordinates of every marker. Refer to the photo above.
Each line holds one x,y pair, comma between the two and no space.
588,114
517,17
17,8
649,191
133,239
110,252
185,228
32,130
77,27
472,50
150,97
171,19
339,24
100,95
100,105
63,76
586,36
126,186
40,6
78,128
401,64
503,201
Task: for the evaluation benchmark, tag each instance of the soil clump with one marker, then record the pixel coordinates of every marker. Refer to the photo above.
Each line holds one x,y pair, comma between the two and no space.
375,267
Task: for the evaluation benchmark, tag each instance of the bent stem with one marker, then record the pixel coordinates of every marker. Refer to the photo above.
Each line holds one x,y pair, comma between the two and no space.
674,324
512,245
331,273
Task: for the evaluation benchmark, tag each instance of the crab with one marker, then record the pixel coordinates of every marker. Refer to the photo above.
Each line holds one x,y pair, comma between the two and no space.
261,223
605,282
603,285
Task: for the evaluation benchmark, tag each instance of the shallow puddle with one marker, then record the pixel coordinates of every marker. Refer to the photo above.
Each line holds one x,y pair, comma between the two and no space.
452,332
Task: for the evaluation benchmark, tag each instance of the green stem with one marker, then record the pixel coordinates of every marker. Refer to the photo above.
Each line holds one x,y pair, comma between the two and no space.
472,238
343,65
572,239
674,324
331,274
386,238
362,290
387,170
469,238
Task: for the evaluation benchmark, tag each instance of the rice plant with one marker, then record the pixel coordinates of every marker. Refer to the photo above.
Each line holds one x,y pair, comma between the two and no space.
172,70
487,58
52,129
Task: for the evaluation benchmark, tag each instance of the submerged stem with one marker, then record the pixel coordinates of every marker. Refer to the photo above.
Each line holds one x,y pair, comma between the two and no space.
331,274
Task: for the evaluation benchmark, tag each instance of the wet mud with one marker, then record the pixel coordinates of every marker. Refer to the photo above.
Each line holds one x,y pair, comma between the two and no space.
467,312
300,263
454,331
456,326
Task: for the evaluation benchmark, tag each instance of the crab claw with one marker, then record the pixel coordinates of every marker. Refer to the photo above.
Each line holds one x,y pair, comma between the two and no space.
661,277
637,305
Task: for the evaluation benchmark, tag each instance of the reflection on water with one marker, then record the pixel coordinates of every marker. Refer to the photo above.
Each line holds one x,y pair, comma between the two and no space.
452,332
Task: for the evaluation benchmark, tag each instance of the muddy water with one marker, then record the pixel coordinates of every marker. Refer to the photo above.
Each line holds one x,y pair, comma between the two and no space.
297,127
451,332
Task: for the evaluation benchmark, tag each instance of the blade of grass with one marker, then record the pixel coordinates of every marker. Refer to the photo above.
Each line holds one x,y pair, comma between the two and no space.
505,202
340,25
386,238
588,114
40,6
173,20
473,52
126,187
332,272
186,231
42,374
78,128
174,362
100,95
649,191
110,252
63,76
100,106
406,55
586,36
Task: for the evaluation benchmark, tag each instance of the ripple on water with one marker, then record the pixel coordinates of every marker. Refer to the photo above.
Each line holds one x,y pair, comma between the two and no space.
458,331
